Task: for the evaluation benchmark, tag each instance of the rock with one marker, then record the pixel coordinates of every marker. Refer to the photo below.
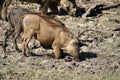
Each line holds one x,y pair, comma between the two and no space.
84,48
33,43
3,55
45,61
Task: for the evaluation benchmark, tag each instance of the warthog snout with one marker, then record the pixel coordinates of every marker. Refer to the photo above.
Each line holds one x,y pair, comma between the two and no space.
72,48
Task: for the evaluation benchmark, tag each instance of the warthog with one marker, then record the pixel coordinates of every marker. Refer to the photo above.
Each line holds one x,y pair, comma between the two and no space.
48,33
13,18
15,27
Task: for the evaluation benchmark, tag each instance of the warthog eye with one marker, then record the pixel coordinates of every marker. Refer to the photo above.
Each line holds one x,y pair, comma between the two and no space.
74,43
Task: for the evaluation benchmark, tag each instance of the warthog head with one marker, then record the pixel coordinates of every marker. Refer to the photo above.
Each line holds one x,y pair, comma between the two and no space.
71,46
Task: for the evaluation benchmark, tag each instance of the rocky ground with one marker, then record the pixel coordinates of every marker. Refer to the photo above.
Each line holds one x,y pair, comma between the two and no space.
99,59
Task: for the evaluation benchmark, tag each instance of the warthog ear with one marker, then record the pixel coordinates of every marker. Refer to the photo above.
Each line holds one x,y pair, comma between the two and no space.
69,36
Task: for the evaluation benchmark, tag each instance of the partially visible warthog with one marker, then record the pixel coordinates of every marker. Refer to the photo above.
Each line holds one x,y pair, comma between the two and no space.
16,28
69,6
45,4
49,33
13,18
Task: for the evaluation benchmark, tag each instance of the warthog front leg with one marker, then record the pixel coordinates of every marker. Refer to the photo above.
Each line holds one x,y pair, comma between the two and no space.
26,39
57,50
25,49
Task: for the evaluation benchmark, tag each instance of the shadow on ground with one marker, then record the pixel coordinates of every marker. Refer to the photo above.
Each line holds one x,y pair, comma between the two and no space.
87,55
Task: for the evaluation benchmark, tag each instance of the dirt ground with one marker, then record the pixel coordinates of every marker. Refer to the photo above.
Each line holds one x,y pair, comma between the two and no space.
99,57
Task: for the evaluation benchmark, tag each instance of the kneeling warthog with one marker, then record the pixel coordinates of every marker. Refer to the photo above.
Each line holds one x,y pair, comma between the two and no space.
49,33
